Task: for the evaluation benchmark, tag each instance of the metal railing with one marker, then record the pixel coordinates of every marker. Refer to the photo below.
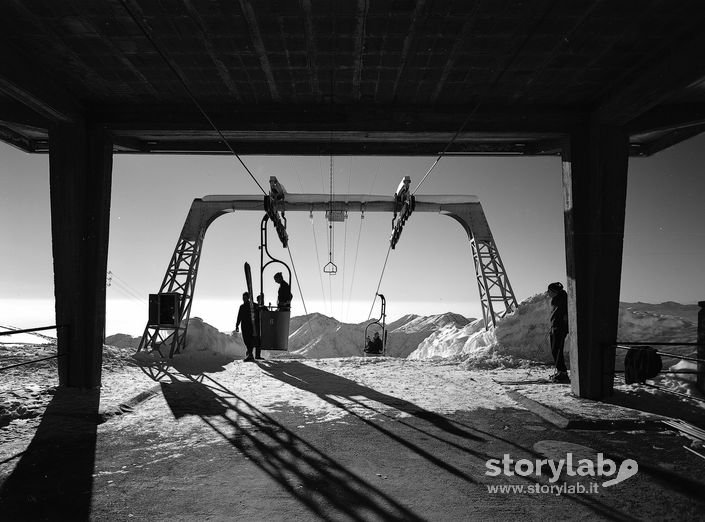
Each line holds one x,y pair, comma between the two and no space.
628,346
32,330
644,344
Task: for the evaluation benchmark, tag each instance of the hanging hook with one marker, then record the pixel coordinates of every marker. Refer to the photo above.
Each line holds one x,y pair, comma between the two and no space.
331,268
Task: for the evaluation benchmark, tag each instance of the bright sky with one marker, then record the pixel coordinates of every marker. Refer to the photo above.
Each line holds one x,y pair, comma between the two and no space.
431,270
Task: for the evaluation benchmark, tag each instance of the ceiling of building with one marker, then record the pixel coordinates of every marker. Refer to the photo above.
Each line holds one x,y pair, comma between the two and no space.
393,77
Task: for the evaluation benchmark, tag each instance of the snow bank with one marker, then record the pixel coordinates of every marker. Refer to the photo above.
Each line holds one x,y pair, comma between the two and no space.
518,339
521,338
207,349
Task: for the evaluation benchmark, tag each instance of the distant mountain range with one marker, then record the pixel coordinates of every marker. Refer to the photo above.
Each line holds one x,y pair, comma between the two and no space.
519,336
318,336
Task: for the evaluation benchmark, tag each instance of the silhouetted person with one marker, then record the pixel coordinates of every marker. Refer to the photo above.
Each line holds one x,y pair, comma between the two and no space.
244,317
284,295
559,329
375,345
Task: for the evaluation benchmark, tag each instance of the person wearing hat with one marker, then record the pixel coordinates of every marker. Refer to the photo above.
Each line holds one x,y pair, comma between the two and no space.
284,295
559,329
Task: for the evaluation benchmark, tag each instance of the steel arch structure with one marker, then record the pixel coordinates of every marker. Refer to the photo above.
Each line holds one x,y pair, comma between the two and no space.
496,294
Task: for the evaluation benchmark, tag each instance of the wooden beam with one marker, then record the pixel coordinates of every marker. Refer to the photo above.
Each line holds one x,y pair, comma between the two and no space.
326,147
595,163
668,117
14,113
359,42
311,51
56,38
459,46
22,82
681,66
341,117
671,138
129,144
221,67
258,45
16,139
80,169
406,46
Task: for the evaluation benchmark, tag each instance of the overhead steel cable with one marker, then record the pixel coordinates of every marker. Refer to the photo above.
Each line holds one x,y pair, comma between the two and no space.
120,284
141,24
342,278
126,291
345,251
352,281
384,267
296,276
318,259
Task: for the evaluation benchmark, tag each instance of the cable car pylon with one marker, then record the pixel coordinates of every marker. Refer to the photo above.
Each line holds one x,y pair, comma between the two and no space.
170,307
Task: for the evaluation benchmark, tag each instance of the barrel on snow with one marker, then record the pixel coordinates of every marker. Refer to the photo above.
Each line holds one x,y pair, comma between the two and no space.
274,329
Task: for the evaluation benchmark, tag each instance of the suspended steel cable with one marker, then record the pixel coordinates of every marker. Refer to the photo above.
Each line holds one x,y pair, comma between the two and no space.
119,284
489,89
318,261
330,291
296,276
113,275
342,282
357,247
146,32
331,230
384,267
345,249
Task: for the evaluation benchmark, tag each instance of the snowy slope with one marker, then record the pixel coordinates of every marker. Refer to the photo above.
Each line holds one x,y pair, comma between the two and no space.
319,336
523,335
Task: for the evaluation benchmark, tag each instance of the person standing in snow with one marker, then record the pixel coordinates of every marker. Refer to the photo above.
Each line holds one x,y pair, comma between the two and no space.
559,329
284,295
244,317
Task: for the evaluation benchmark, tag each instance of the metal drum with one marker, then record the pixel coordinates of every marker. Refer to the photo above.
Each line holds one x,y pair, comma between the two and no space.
274,329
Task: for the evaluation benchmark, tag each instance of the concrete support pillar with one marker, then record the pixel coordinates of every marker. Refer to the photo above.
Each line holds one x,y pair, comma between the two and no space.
701,348
595,164
80,173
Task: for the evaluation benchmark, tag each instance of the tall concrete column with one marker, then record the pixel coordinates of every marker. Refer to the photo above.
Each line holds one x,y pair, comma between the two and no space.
595,164
80,175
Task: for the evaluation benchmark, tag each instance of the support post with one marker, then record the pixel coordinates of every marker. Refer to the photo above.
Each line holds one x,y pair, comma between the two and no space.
80,173
701,347
595,162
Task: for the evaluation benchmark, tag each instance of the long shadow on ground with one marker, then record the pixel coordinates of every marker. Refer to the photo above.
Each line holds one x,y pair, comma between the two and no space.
331,388
640,399
323,485
54,478
330,491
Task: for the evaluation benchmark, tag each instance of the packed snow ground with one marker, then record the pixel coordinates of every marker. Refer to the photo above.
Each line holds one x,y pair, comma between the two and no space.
447,341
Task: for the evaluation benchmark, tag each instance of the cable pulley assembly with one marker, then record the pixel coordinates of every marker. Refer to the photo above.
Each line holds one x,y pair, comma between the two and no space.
404,205
273,202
